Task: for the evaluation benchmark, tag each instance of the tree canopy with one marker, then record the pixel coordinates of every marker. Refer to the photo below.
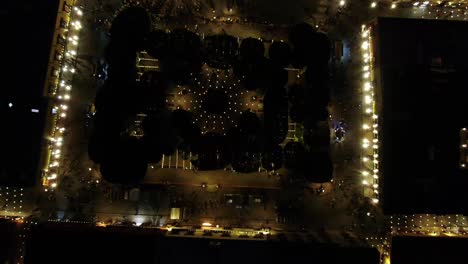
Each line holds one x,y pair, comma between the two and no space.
157,44
280,53
126,163
275,115
272,157
322,167
130,27
211,152
183,57
220,51
215,101
309,47
249,123
251,49
124,159
294,155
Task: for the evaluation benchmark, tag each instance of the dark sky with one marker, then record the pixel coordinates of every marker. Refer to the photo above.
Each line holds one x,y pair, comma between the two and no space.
26,28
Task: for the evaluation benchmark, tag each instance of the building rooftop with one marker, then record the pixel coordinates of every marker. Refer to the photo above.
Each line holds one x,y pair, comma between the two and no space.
422,67
9,241
80,243
415,249
25,55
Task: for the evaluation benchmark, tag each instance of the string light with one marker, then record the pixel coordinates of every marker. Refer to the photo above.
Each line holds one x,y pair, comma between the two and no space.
370,117
50,179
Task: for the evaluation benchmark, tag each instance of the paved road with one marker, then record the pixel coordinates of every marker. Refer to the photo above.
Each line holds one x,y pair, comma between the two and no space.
221,177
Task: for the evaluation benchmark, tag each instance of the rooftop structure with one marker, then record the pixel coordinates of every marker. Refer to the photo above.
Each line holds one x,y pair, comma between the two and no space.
420,70
80,242
419,249
23,107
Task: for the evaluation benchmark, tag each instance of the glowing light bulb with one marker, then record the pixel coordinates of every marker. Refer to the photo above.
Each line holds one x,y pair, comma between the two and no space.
365,45
367,99
367,86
